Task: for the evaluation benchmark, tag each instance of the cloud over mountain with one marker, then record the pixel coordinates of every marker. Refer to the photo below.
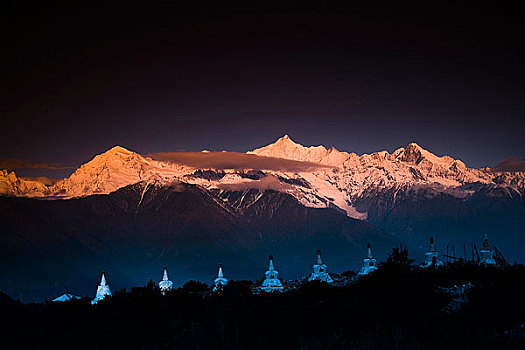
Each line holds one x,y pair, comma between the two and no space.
510,164
269,182
234,160
13,163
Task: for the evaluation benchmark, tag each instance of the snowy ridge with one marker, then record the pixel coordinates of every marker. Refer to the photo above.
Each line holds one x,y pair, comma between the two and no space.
105,173
348,177
287,149
12,185
356,176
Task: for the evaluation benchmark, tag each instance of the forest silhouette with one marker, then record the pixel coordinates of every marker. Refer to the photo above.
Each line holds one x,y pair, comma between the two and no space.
399,306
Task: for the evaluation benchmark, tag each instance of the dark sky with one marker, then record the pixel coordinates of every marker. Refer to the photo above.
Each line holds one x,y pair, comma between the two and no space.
77,81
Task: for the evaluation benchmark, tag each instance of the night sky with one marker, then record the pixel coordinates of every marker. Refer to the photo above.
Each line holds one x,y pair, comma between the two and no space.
77,81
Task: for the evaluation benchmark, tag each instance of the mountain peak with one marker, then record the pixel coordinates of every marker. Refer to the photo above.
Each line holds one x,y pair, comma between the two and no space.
284,143
286,148
415,154
118,149
412,153
116,152
414,145
285,139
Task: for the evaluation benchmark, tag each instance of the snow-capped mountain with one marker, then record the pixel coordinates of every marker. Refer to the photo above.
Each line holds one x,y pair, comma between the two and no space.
353,177
105,173
111,170
410,165
342,181
12,185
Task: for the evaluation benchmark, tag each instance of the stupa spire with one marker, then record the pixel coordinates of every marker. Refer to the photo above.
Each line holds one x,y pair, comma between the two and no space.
486,242
103,280
270,266
369,255
102,290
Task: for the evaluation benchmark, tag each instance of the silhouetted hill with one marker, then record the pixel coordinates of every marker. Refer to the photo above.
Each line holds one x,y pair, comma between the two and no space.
415,214
49,247
395,308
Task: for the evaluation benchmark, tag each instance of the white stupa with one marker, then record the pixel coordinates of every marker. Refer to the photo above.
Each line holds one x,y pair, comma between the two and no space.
102,290
165,285
369,263
220,281
431,256
66,297
271,283
320,273
487,256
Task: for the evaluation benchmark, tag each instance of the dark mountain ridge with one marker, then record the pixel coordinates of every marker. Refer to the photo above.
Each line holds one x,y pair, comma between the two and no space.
52,246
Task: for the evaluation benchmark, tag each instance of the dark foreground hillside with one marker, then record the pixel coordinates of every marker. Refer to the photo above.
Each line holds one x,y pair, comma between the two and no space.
396,308
47,247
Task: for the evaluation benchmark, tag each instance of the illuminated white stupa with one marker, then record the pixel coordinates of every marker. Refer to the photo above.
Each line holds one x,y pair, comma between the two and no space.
271,283
369,263
320,273
487,256
165,285
102,290
220,281
431,256
66,297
